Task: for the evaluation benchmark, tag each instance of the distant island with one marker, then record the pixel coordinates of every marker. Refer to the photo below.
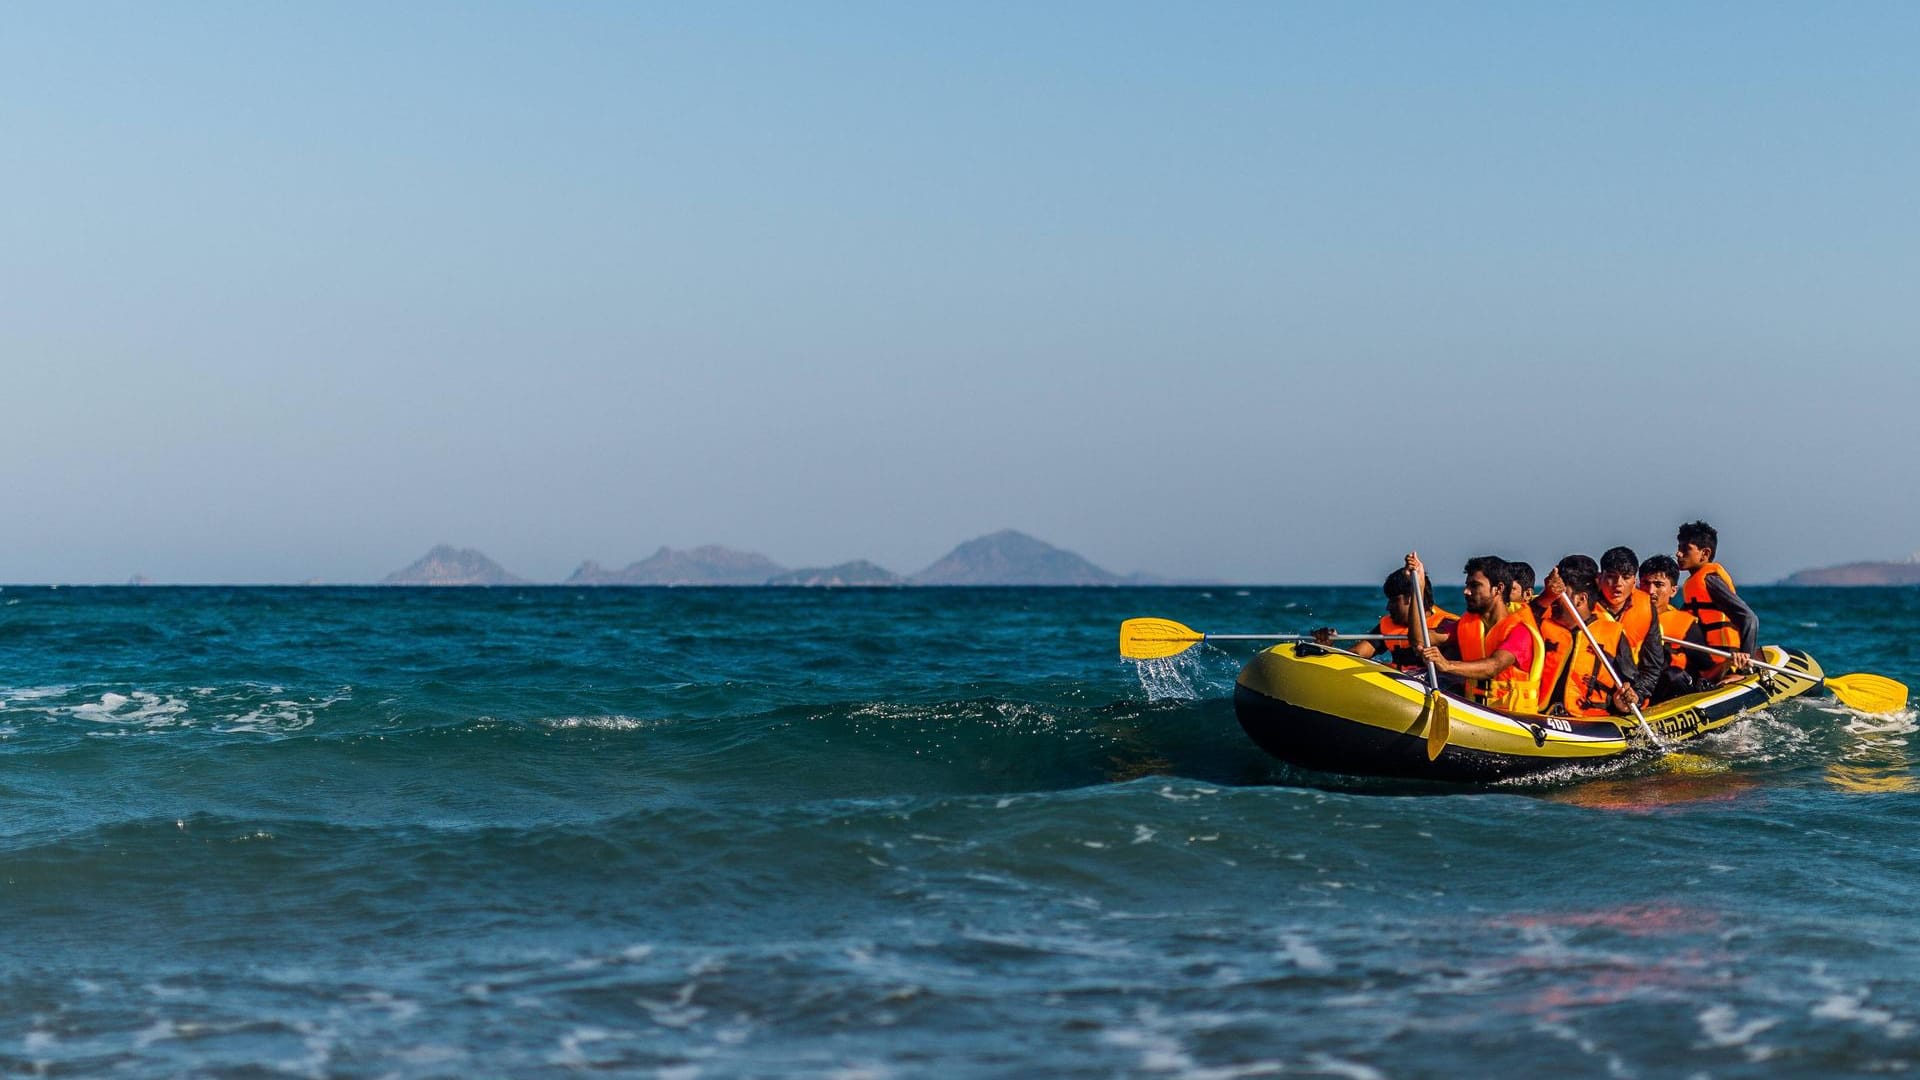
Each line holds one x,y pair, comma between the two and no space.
1003,558
1904,572
448,565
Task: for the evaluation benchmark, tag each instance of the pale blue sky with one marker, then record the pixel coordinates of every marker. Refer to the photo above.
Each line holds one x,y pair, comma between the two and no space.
296,291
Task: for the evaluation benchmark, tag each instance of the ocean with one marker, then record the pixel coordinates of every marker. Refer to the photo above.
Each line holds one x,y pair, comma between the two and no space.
532,832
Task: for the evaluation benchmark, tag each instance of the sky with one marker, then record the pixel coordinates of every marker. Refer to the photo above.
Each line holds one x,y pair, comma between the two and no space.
1265,293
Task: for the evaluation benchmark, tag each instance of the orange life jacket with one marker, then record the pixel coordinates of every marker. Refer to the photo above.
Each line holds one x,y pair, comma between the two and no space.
1675,623
1559,642
1589,687
1636,618
1397,634
1721,633
1513,689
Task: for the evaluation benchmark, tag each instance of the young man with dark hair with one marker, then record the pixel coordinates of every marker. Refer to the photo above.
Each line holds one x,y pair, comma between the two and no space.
1520,591
1660,579
1397,623
1708,596
1581,685
1495,649
1632,608
1554,631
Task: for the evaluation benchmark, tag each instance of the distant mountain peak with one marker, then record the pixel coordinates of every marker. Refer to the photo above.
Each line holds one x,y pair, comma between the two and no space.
857,572
1904,572
1011,557
445,564
708,564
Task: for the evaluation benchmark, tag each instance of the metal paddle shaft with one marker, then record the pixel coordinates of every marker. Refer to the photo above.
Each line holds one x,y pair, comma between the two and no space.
1154,639
1862,690
1294,637
1607,662
1756,662
1418,617
1439,714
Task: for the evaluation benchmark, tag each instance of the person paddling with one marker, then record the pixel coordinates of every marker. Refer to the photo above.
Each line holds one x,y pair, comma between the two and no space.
1660,580
1582,686
1555,632
1632,608
1708,596
1396,622
1495,649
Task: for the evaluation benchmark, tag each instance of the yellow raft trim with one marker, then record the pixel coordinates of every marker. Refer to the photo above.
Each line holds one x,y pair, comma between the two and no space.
1366,692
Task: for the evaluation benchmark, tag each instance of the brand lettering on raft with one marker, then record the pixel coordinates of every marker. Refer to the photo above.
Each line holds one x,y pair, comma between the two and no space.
1681,723
1558,724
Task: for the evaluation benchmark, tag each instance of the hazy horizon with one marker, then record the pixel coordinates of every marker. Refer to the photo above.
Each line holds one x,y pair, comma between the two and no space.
1442,576
300,292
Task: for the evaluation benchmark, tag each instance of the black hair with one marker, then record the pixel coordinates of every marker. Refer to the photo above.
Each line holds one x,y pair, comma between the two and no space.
1663,565
1619,560
1577,564
1400,583
1700,535
1522,575
1582,577
1497,570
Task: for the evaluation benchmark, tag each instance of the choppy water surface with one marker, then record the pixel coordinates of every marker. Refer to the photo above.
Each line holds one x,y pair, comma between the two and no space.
542,831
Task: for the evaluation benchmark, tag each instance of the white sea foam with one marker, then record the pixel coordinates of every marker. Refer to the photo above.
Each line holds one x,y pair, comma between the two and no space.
1157,1039
602,723
281,716
137,709
1851,1006
1325,1065
573,1049
1166,679
1302,954
1721,1025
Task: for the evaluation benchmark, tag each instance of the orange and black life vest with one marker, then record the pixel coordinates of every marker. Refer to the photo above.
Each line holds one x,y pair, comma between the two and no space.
1513,689
1635,618
1675,623
1559,643
1720,631
1589,688
1397,634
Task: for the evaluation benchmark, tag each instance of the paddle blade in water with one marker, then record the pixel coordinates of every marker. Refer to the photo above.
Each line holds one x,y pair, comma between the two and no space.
1439,725
1868,692
1151,639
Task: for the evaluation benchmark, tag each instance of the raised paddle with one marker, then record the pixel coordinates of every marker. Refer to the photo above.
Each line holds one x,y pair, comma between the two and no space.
1151,639
1863,690
1607,662
1439,716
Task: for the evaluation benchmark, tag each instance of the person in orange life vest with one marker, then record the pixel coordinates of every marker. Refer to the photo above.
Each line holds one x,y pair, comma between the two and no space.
1555,635
1520,590
1581,685
1494,649
1399,591
1660,579
1520,598
1708,595
1633,610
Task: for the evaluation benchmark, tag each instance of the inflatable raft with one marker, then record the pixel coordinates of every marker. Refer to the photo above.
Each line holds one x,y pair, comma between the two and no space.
1333,711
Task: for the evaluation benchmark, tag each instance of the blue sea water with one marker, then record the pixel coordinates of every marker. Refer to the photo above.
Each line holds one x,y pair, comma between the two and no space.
919,832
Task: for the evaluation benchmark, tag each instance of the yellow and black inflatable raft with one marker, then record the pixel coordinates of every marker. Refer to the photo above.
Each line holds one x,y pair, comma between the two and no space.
1332,711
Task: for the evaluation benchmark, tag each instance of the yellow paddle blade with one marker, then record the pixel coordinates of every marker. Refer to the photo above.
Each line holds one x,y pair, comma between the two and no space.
1151,639
1692,764
1439,725
1868,692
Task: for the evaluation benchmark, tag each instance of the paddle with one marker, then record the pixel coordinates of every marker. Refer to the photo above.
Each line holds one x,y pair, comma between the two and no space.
1607,662
1439,716
1863,690
1151,639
